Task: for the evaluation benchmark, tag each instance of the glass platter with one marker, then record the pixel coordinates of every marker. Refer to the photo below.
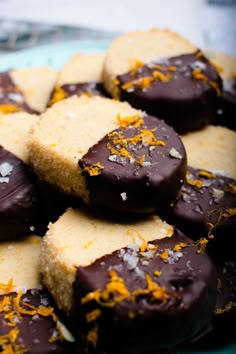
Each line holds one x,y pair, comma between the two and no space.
55,55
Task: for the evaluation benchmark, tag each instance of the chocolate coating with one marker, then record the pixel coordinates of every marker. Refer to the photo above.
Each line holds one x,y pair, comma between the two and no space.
226,115
10,94
184,102
214,203
68,90
221,331
187,276
35,330
18,196
128,186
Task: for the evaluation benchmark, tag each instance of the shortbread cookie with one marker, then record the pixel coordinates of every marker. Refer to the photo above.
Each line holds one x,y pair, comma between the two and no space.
227,63
212,148
206,207
116,276
51,202
28,320
26,89
18,196
163,74
19,264
82,74
109,154
14,130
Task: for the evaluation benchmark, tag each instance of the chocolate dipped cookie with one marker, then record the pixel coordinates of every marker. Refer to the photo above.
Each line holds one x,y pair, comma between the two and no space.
18,196
227,65
165,75
81,74
109,154
26,89
115,275
28,316
206,208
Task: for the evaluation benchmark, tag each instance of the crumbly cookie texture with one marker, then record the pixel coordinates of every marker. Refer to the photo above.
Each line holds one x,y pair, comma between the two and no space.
226,63
14,130
19,261
143,46
81,68
65,132
36,84
79,237
212,148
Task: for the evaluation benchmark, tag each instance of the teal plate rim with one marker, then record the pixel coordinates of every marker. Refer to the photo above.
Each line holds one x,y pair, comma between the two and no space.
55,56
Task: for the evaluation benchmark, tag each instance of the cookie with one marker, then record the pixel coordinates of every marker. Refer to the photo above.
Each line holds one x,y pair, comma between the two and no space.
212,148
20,262
115,276
163,74
18,196
206,207
82,74
26,89
14,130
28,319
220,333
227,63
109,154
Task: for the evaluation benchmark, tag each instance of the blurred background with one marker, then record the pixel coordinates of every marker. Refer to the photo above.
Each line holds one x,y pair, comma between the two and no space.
210,24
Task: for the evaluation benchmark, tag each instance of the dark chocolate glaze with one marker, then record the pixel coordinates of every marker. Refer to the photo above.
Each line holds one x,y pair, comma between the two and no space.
226,116
130,187
36,330
10,94
188,277
221,331
18,196
183,102
197,207
88,88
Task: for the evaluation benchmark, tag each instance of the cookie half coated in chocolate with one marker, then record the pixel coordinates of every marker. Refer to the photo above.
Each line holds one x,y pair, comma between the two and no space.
108,153
137,168
17,196
184,90
28,323
206,208
150,296
220,331
12,98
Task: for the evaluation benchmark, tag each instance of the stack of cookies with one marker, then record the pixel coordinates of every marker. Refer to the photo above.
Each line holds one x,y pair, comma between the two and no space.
117,200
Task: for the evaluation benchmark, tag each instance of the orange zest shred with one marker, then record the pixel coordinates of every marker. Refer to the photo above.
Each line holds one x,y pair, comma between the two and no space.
9,108
143,244
118,144
230,188
164,254
92,336
178,247
14,308
116,291
93,315
227,307
219,284
157,273
206,174
135,65
94,169
135,121
228,212
57,95
201,244
198,74
8,287
158,75
193,182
